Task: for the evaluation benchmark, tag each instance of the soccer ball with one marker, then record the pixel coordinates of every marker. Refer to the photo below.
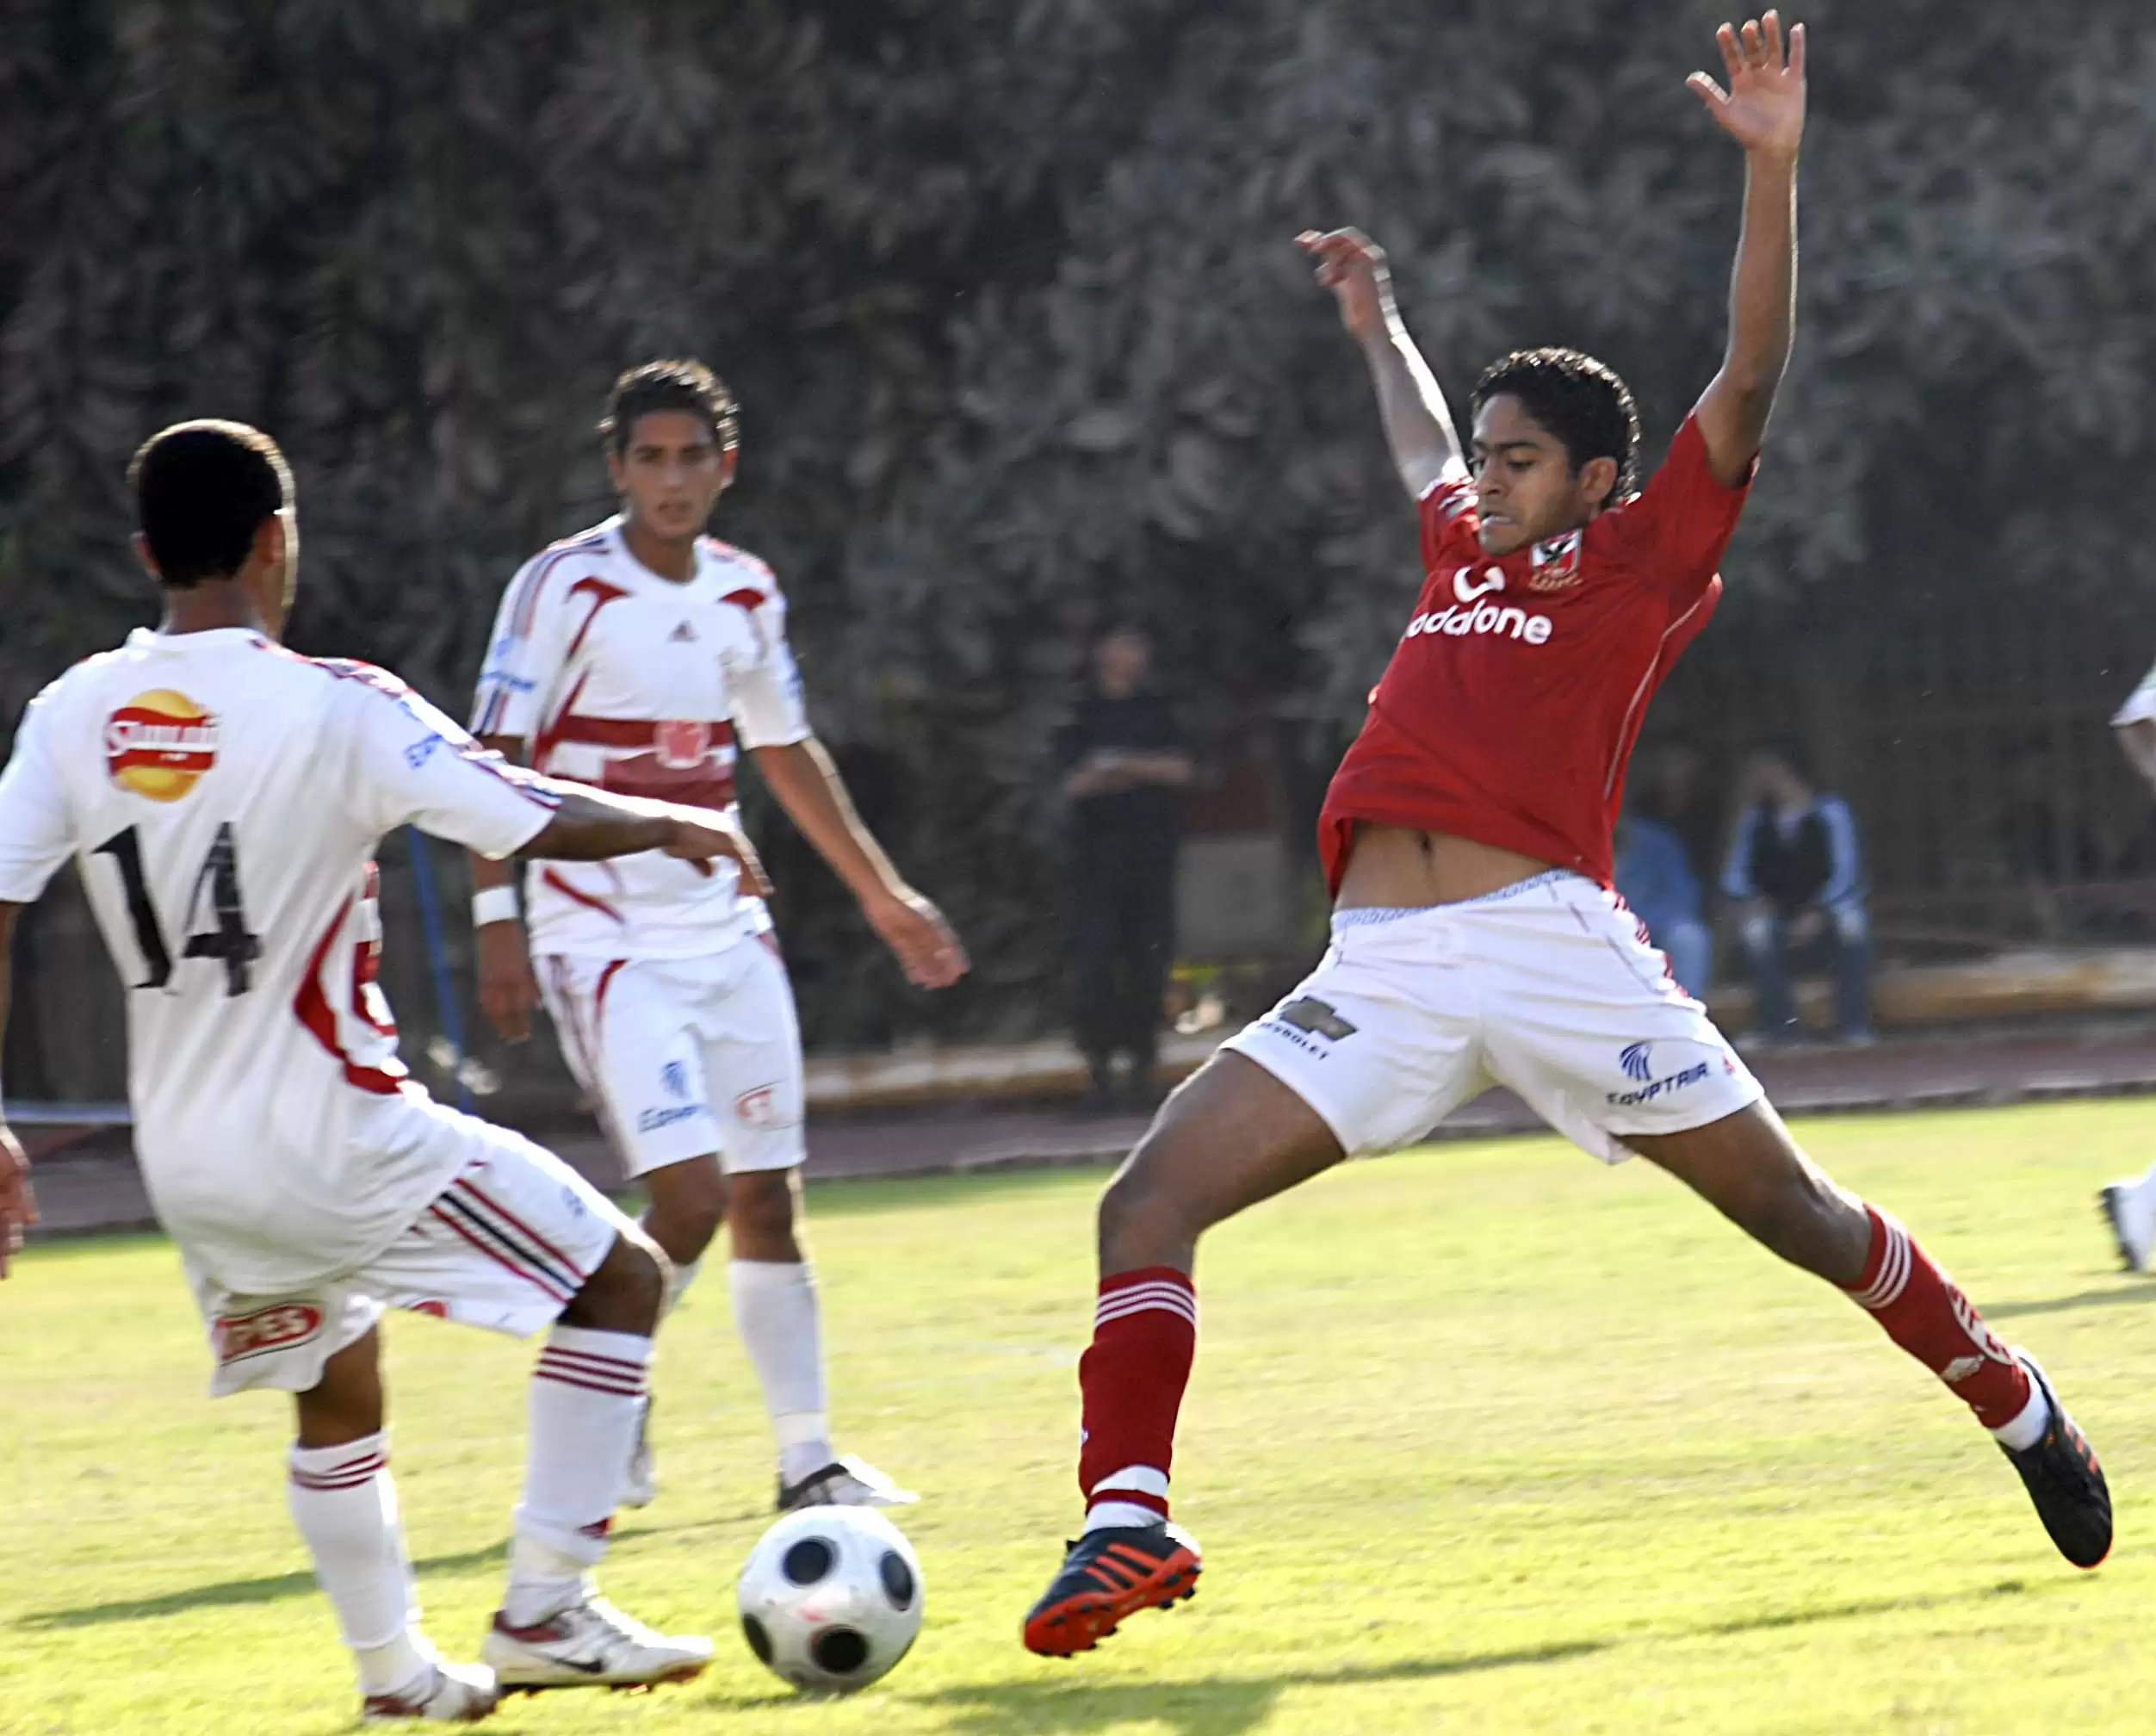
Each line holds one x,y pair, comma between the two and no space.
830,1597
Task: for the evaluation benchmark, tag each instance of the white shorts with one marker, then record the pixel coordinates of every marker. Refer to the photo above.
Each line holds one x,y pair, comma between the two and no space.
687,1056
505,1246
1549,986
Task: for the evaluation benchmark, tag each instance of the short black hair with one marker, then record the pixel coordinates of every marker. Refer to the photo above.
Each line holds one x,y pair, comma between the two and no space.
686,386
201,490
1578,399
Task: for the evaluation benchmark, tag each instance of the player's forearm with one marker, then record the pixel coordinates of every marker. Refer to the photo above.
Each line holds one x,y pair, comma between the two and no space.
808,787
1418,425
1763,294
591,826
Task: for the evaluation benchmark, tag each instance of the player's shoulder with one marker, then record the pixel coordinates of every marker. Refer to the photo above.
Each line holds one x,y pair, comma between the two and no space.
595,543
744,578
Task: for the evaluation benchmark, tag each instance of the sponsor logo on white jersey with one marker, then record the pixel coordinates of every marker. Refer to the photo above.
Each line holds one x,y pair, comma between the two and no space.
159,744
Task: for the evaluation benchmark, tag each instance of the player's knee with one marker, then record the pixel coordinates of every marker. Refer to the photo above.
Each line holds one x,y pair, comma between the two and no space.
627,1291
1143,1212
761,1208
688,1204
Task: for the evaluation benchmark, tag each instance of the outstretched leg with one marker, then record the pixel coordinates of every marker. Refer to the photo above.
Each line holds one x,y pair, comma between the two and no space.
1232,1136
1749,1170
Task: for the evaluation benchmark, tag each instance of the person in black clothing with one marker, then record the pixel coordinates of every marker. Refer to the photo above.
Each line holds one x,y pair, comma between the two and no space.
1797,874
1122,763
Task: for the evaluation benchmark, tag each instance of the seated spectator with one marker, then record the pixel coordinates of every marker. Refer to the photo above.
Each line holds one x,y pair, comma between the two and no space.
1657,872
1796,874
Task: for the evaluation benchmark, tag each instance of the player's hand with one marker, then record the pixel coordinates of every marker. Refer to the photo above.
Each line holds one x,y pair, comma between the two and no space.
1762,109
507,989
702,836
1351,266
928,952
18,1206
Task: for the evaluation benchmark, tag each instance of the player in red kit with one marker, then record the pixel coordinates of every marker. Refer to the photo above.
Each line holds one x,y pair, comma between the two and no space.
1475,939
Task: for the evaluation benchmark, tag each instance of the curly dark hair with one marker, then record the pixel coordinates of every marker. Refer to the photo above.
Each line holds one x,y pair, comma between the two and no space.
687,386
1578,399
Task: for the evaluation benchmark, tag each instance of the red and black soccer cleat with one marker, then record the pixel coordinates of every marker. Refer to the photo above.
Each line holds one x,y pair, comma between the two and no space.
1107,1575
2064,1479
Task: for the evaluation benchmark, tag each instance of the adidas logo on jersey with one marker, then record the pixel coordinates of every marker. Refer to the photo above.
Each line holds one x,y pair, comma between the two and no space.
682,634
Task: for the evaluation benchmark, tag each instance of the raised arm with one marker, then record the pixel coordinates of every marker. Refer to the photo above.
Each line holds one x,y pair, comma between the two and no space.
1764,110
18,1208
1418,426
808,787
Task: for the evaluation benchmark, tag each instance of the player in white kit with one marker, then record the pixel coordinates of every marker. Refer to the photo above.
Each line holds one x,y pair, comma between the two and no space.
2129,1205
222,798
641,655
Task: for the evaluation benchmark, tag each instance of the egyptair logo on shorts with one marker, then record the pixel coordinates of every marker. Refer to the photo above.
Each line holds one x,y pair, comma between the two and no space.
1637,1061
277,1327
1316,1017
675,1077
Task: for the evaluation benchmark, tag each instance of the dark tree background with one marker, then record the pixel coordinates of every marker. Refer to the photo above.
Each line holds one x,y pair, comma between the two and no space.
1005,288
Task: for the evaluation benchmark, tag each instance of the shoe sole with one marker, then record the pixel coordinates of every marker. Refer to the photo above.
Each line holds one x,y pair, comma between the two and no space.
641,1685
2108,1203
1081,1623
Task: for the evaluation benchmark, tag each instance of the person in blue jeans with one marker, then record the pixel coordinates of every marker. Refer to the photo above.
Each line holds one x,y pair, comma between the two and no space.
1796,872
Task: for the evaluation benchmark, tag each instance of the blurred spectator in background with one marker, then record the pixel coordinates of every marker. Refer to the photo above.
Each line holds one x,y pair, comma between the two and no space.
1797,876
1662,847
1123,762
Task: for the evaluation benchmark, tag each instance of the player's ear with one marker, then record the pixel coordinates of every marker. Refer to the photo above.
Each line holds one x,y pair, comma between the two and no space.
142,553
617,472
728,458
1598,480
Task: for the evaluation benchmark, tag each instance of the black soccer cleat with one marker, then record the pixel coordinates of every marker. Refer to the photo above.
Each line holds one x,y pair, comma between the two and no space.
2064,1479
1107,1575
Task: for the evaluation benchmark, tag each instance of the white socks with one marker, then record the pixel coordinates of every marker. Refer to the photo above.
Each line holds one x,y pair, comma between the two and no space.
685,1274
2028,1427
587,1395
345,1505
775,1311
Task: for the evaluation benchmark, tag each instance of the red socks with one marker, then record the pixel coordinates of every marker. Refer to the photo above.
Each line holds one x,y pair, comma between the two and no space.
1925,1312
1144,1337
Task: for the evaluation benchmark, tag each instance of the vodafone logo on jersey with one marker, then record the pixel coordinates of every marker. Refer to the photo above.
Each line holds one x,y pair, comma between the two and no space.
1475,613
159,744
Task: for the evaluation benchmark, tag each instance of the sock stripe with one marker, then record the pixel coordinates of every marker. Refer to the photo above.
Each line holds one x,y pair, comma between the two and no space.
348,1476
1118,1308
607,1387
590,1362
1885,1289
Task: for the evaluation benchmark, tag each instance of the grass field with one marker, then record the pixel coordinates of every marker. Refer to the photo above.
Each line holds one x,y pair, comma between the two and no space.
1483,1438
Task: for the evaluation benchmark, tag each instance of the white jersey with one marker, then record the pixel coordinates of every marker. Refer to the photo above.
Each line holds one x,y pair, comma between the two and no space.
2140,704
222,798
615,676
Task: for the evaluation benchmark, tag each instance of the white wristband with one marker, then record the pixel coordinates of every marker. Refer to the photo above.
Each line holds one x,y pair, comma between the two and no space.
493,904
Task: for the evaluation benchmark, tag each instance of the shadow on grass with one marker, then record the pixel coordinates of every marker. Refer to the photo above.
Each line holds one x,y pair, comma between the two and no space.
267,1590
2081,1299
1219,1707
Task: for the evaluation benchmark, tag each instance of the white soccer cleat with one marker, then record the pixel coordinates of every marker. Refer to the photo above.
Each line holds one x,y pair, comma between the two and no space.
2133,1219
845,1482
642,1487
590,1645
454,1694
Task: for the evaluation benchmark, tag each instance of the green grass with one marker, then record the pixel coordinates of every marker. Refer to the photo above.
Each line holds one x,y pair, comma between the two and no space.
1482,1438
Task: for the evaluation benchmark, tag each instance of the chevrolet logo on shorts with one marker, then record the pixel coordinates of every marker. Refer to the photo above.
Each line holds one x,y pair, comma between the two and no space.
1309,1014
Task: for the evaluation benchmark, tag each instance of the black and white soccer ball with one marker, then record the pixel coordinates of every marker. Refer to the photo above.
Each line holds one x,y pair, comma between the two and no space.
830,1598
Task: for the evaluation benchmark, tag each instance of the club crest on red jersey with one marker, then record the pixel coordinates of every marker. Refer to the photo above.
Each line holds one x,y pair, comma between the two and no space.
275,1328
1555,563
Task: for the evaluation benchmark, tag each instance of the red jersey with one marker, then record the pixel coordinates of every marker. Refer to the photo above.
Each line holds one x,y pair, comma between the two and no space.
1512,700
